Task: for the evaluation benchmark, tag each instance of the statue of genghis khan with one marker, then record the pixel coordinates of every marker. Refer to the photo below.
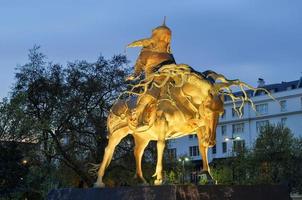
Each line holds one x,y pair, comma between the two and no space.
171,101
155,52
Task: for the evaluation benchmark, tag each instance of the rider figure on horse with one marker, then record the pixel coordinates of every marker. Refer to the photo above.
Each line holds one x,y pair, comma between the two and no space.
155,53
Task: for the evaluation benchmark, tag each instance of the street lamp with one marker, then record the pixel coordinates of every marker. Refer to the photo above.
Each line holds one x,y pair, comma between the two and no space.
183,160
24,162
232,138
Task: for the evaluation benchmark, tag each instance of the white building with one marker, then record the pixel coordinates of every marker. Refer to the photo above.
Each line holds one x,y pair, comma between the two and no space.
233,132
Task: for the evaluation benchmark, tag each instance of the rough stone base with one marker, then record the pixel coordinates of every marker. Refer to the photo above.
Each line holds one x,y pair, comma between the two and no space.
175,192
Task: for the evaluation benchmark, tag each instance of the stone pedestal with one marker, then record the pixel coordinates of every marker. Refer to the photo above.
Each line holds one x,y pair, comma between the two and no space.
175,192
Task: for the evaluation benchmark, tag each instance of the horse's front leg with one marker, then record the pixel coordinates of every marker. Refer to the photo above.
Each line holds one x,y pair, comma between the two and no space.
159,164
160,152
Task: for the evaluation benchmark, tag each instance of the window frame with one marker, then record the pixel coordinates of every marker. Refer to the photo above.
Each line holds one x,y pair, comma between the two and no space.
235,129
224,147
259,127
263,110
283,106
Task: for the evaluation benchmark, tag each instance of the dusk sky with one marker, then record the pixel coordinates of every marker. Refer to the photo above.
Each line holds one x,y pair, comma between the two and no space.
243,39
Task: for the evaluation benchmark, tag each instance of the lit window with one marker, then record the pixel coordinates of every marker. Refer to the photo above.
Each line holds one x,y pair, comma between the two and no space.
214,149
238,128
260,125
261,109
224,147
194,151
283,105
283,121
223,130
238,145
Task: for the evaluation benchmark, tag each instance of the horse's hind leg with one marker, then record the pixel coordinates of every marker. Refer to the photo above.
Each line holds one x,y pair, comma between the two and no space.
140,145
114,140
204,154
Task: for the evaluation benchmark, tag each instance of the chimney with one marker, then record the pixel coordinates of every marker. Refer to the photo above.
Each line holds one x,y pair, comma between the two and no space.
261,82
300,82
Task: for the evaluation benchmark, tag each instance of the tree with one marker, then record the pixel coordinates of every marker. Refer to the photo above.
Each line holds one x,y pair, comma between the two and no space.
276,158
274,154
65,108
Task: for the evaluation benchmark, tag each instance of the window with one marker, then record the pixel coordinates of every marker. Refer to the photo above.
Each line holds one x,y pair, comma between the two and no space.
260,125
171,153
238,128
234,113
283,121
283,105
238,145
214,149
192,136
224,147
262,109
223,130
194,151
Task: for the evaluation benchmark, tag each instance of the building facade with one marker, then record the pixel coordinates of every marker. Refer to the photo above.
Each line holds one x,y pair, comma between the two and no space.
236,132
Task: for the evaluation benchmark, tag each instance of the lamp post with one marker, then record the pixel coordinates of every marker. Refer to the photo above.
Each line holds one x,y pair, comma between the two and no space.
183,160
232,139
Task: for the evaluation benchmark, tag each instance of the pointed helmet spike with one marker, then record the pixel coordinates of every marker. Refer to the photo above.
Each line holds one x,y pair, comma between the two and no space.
164,23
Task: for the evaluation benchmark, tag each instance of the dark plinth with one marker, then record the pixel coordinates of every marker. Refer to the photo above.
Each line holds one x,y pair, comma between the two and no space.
176,192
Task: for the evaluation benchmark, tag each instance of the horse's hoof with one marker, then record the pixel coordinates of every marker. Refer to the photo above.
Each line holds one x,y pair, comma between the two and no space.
135,176
158,182
144,184
98,185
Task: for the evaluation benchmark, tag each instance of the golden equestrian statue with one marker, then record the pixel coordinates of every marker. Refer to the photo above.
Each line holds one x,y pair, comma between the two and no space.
170,101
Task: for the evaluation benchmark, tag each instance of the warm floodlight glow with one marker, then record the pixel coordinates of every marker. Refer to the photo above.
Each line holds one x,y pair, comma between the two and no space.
165,100
24,162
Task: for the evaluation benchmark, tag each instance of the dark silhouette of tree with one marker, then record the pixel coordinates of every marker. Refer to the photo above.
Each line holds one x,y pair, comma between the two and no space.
12,169
64,109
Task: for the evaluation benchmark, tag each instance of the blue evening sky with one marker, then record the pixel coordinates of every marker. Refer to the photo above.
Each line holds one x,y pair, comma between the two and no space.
243,39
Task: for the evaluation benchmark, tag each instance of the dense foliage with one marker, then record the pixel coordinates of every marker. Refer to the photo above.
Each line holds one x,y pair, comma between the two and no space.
276,158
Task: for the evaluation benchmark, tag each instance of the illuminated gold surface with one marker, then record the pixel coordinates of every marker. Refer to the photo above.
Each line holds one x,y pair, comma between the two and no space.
155,50
171,102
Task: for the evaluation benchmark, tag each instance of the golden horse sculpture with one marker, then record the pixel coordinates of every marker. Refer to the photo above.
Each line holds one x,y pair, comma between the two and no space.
174,100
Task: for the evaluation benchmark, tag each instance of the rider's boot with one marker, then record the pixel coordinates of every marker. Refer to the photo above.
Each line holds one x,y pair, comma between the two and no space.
142,125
